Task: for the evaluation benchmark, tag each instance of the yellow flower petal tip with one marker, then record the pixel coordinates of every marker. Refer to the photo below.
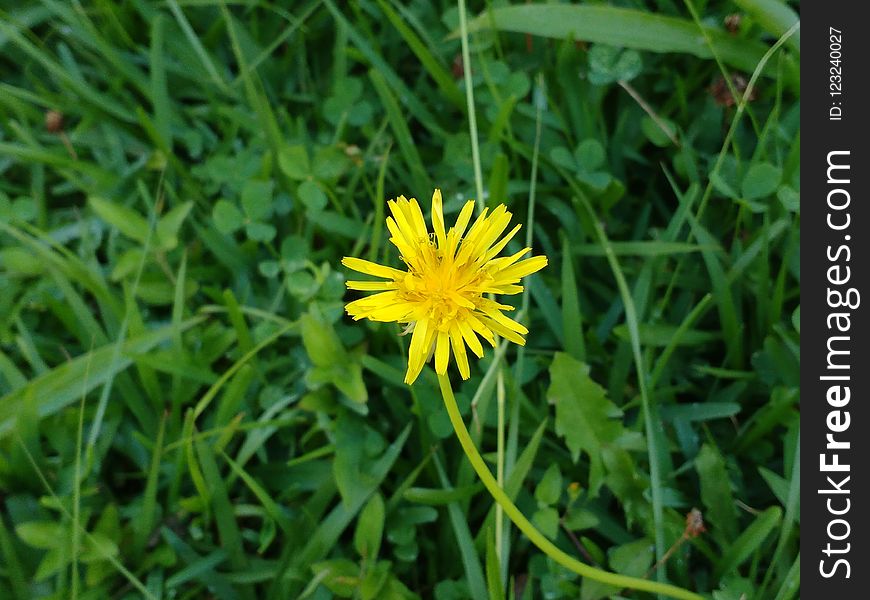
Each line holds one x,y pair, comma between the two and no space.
441,297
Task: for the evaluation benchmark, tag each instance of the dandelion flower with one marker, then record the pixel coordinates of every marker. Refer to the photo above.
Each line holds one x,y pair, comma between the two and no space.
442,296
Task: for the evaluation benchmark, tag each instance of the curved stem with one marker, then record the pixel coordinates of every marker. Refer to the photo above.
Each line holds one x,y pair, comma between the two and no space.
524,525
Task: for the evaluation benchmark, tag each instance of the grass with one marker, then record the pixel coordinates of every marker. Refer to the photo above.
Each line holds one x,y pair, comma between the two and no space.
185,411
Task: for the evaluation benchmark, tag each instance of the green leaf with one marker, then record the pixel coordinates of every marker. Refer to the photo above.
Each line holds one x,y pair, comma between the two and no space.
549,489
227,218
652,129
293,162
260,232
97,547
43,534
330,163
749,541
547,520
126,220
169,224
716,493
589,155
632,559
789,198
312,196
608,64
332,363
584,415
761,180
340,576
257,199
370,528
294,253
320,341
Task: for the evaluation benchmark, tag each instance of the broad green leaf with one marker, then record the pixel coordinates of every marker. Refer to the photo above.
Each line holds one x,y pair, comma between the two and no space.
227,218
43,534
260,232
330,163
293,162
549,489
761,180
257,199
547,520
589,155
370,528
321,342
608,64
312,196
584,415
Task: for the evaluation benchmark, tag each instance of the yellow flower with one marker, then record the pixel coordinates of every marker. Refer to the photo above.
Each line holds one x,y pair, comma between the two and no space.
441,295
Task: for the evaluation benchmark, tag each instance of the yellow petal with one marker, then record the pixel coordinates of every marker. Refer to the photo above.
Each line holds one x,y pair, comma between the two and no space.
497,265
364,305
497,224
417,218
470,338
467,245
499,318
369,268
438,219
371,286
478,326
522,268
503,331
501,244
418,350
442,352
463,219
459,351
407,230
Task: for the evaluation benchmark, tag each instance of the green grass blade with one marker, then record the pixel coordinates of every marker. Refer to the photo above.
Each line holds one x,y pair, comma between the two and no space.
399,125
623,27
62,385
443,79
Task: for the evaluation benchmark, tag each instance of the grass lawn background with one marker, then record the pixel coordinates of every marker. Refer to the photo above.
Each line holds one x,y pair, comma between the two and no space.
187,412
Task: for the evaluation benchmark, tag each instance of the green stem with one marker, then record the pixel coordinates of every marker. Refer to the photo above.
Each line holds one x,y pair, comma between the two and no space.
524,525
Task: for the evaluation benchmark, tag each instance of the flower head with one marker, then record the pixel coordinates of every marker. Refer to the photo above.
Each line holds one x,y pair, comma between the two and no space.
442,295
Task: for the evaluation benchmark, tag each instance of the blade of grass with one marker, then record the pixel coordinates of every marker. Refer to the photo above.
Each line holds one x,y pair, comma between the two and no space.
749,541
459,522
443,79
62,385
415,107
469,100
627,28
399,125
196,45
572,318
143,525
